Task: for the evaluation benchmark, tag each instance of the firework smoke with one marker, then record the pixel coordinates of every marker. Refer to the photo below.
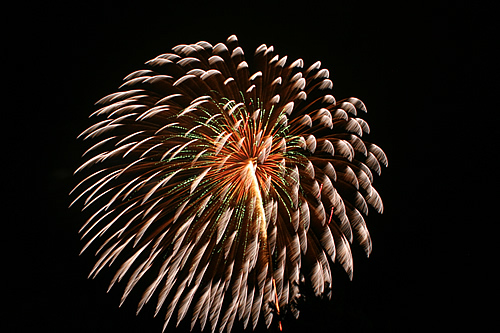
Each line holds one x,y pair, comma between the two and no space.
226,187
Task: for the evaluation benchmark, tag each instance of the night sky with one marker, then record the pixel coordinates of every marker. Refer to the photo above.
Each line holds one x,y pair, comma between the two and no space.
80,53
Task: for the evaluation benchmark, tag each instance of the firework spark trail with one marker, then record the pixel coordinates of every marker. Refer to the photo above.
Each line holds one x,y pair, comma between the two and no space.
225,186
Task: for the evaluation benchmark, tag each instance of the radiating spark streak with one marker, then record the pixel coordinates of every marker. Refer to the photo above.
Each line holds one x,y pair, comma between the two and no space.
276,301
255,191
331,215
319,192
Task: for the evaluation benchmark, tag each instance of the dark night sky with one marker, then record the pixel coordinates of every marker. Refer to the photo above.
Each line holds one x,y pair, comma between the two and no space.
376,52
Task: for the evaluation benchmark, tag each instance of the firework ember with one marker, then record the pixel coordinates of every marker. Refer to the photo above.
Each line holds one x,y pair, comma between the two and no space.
223,187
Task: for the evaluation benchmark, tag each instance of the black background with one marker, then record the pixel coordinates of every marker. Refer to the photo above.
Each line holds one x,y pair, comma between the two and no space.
393,57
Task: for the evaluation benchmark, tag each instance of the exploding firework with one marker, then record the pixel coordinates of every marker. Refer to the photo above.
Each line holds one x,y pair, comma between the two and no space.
228,189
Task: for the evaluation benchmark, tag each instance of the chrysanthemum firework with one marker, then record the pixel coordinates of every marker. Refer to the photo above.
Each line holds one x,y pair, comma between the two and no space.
223,187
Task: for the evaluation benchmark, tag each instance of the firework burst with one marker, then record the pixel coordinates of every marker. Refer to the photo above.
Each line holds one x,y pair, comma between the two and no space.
227,187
